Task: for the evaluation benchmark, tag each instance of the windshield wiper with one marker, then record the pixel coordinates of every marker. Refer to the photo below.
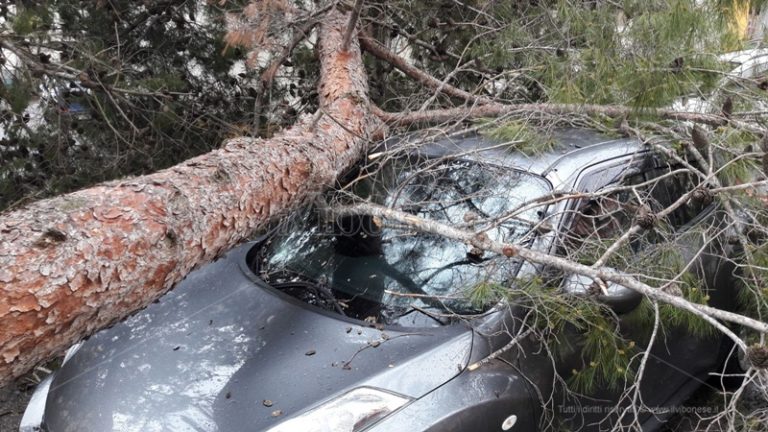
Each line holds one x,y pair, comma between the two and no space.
320,289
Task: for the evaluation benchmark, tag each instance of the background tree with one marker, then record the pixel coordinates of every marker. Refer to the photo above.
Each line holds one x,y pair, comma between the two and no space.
98,90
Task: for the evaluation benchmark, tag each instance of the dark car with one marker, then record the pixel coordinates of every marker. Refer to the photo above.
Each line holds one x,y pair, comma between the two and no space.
352,323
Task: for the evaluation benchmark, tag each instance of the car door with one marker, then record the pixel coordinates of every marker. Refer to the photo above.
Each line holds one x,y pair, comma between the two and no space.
683,243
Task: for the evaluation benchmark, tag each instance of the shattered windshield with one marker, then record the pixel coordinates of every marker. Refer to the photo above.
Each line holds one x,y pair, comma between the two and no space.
367,268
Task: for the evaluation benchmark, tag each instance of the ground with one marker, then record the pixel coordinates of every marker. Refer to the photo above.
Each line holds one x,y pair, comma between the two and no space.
13,401
15,396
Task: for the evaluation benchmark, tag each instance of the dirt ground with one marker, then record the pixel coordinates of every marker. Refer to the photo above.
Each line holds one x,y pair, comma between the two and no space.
13,401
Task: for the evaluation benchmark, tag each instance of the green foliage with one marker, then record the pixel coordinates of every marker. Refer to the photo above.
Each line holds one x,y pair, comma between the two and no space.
647,63
733,166
606,357
642,317
580,324
484,294
753,295
628,52
17,94
165,81
738,170
661,263
655,259
175,94
31,18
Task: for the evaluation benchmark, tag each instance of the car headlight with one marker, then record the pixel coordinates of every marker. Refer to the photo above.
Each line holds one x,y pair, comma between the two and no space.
350,412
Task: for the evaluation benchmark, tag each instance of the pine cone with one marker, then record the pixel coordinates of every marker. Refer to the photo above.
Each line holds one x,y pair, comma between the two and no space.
672,288
702,196
475,255
470,217
645,218
677,65
700,140
727,109
595,288
758,356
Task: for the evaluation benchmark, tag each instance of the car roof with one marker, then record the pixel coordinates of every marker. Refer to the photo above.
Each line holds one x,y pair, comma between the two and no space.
574,149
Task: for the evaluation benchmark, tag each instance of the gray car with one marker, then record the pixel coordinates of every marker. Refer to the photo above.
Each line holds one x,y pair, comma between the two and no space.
350,324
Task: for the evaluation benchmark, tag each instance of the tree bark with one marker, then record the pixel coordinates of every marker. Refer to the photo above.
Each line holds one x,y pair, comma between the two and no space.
76,263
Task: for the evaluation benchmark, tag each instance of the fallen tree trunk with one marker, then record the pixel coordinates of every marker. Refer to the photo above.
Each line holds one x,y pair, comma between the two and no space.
76,263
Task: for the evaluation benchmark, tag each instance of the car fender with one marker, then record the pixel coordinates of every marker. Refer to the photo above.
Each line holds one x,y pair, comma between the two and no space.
492,398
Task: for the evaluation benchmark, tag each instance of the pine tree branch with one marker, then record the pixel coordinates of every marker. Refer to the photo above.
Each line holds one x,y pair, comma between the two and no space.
497,110
67,73
268,75
494,355
486,107
352,24
382,53
477,68
707,313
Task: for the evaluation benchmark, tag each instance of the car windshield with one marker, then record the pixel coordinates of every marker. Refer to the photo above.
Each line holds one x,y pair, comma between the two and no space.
363,267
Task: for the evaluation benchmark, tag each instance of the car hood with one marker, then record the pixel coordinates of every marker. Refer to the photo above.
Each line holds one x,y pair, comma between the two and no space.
223,352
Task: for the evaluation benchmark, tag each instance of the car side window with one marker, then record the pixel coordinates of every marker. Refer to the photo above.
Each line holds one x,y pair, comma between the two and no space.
606,216
669,188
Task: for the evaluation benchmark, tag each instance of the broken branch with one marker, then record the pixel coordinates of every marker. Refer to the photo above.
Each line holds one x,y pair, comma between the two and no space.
497,110
352,24
382,53
707,313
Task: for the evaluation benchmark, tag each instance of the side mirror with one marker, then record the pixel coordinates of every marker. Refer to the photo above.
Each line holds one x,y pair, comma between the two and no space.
621,299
